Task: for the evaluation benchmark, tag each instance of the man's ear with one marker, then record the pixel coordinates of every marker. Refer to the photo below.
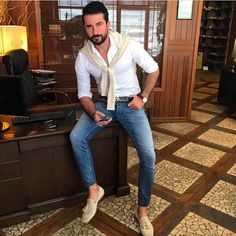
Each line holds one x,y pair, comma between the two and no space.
108,24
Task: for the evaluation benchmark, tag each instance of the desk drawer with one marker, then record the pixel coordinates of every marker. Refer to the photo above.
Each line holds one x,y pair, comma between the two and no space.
12,198
8,151
43,142
9,170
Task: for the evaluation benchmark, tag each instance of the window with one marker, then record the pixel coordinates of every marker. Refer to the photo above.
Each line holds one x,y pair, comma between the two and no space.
63,33
133,24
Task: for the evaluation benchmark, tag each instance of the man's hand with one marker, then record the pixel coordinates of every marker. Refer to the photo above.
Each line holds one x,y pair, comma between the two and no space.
98,118
136,103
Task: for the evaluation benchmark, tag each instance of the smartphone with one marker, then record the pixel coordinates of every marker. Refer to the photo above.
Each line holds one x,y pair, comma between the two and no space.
104,118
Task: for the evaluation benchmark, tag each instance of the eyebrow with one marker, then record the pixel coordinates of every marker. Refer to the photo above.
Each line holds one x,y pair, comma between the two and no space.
97,23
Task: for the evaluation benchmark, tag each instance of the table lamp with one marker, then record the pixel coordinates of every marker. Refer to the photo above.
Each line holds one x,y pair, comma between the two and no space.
11,37
234,52
233,55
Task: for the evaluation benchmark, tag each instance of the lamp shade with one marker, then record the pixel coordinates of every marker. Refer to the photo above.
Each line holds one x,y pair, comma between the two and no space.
234,50
12,37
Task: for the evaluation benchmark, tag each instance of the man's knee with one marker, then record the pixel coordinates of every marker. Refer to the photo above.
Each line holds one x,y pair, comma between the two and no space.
72,135
148,159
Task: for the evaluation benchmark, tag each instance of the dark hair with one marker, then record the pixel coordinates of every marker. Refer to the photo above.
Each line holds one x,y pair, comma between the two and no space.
95,7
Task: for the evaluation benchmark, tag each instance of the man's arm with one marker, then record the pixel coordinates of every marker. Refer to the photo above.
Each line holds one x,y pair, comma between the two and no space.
88,106
150,83
90,109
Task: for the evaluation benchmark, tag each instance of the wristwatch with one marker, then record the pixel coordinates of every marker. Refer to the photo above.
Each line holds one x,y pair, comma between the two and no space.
144,99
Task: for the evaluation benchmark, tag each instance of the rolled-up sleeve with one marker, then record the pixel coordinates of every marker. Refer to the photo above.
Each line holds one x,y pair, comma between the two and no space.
83,77
142,58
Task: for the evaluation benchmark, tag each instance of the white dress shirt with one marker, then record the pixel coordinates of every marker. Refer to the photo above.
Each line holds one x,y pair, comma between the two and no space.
127,83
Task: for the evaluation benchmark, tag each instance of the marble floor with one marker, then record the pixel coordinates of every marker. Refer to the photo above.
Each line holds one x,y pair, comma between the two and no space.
195,181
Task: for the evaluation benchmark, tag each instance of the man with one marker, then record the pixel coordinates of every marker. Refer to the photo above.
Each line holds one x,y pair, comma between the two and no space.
111,59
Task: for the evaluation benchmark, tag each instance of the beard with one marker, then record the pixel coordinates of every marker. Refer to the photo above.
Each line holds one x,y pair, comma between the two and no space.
98,39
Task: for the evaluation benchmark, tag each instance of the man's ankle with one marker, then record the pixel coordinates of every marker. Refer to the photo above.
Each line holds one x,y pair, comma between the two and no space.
93,192
141,211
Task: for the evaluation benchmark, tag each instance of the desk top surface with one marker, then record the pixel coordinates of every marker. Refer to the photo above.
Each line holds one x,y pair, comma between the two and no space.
34,129
39,129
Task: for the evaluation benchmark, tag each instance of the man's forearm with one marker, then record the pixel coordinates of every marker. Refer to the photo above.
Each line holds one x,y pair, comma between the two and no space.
88,105
150,83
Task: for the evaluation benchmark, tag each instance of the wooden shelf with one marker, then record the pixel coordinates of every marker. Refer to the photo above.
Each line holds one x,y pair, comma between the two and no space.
214,37
215,28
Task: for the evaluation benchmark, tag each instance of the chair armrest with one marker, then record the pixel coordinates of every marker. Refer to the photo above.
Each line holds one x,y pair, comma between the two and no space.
54,91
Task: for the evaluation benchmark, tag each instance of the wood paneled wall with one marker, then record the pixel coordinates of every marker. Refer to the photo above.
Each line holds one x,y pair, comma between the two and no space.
173,100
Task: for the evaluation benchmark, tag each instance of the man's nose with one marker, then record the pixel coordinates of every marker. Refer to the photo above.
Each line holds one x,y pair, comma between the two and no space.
94,31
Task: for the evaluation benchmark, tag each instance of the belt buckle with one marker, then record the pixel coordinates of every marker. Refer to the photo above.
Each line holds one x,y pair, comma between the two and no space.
118,99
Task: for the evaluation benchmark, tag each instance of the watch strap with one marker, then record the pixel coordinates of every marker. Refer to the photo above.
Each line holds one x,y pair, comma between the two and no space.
144,99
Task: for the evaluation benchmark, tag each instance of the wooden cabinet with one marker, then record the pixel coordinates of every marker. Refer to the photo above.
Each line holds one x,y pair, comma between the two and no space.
11,185
214,34
11,196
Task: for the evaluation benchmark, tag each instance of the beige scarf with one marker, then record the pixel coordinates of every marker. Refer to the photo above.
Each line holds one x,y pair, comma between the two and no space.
108,81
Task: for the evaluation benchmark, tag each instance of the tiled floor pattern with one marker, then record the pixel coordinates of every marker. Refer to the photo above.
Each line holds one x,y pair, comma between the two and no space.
195,181
195,225
162,140
181,128
212,107
228,124
122,209
200,154
201,116
207,90
19,229
232,170
166,175
219,137
197,95
76,227
222,197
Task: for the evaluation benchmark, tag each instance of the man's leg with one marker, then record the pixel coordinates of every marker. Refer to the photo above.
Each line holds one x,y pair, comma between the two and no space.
80,136
137,126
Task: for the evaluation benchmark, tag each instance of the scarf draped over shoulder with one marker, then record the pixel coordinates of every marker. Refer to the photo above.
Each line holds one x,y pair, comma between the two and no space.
108,80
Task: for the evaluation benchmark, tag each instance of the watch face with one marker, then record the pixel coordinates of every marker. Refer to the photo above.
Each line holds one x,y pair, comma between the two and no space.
144,100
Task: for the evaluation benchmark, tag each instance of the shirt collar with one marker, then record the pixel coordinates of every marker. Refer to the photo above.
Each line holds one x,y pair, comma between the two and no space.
112,45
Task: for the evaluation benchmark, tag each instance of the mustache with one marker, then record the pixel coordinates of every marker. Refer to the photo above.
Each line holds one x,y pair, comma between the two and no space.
96,35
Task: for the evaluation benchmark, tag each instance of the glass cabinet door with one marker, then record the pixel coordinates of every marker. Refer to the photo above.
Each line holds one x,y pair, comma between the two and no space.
133,23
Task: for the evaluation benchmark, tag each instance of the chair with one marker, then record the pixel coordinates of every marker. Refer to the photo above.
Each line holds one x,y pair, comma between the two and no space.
17,63
11,96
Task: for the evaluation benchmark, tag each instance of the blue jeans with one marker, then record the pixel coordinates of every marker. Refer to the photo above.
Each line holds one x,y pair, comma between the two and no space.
136,124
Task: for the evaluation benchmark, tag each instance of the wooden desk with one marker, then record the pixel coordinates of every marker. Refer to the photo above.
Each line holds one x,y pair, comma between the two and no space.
38,171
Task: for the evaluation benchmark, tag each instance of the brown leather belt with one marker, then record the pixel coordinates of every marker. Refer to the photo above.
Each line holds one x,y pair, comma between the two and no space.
119,99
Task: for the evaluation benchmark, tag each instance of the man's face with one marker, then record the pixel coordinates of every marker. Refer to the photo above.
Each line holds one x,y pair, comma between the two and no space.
96,28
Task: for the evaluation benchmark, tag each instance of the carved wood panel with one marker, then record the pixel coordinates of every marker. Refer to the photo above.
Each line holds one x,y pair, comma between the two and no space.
173,101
